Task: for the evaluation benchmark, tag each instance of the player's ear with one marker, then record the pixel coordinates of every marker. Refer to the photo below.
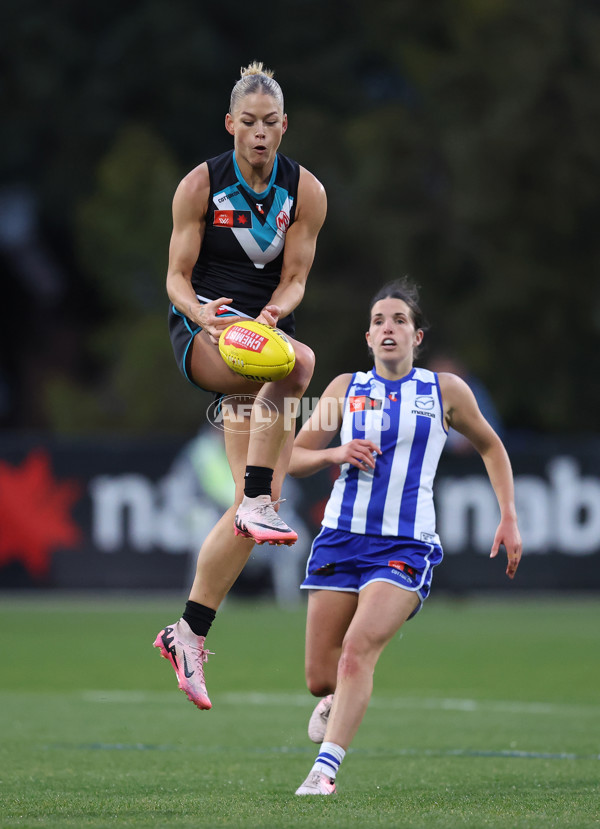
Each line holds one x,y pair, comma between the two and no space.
229,125
284,123
368,338
418,337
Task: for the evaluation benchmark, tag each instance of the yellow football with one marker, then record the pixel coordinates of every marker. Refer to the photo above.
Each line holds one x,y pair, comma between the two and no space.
256,351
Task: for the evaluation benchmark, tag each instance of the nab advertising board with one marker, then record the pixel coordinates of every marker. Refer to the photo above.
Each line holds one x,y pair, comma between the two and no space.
115,513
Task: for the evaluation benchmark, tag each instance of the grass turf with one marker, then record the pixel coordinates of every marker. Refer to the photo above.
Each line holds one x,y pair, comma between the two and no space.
485,714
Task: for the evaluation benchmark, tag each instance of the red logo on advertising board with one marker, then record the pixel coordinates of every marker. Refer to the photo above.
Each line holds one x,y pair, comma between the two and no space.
35,514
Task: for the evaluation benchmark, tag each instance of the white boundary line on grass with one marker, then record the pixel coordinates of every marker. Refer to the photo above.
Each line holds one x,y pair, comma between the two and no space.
265,750
296,700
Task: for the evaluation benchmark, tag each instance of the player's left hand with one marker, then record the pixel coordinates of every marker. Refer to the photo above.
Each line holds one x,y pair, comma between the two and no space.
269,315
508,534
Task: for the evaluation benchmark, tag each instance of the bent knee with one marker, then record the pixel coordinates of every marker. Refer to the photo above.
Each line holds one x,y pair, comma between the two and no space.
320,688
305,356
349,664
319,681
303,368
357,657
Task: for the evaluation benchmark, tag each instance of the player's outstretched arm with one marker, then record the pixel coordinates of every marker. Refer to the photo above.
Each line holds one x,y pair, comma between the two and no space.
463,414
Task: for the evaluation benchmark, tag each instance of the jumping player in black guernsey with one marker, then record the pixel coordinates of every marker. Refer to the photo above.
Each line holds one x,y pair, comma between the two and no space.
245,226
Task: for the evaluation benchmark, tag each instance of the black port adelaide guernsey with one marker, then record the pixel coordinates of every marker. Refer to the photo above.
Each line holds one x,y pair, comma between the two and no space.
242,251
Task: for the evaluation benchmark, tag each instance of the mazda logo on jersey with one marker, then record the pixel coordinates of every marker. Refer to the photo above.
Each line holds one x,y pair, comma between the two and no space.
425,403
233,218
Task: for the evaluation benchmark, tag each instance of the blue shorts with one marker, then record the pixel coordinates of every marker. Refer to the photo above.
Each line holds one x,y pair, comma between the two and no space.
347,562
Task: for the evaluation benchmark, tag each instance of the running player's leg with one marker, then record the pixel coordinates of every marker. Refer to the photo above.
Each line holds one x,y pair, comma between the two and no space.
381,610
328,616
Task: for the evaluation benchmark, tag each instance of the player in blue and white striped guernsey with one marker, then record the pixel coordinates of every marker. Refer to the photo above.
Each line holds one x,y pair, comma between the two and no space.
404,420
370,567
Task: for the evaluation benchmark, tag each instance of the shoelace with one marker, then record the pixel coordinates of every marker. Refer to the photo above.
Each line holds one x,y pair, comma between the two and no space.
201,654
264,507
204,654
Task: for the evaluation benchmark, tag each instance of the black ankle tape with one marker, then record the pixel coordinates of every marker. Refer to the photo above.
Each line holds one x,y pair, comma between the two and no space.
257,481
199,617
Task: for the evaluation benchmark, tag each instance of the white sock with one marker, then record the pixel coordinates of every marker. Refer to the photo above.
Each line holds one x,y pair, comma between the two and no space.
329,759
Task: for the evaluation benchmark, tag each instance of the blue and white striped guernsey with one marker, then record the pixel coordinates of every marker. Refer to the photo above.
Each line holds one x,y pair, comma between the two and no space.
405,419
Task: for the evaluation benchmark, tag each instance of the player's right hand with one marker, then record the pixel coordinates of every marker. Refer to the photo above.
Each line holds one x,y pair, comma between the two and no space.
358,452
213,322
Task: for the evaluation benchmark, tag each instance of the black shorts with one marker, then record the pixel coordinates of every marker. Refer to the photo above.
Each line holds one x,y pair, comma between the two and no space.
182,332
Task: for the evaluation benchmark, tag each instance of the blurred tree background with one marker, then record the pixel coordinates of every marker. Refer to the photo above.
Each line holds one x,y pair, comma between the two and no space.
457,141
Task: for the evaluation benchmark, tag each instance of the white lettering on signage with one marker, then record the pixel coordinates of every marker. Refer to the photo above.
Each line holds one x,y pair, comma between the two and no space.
557,513
122,507
133,511
560,514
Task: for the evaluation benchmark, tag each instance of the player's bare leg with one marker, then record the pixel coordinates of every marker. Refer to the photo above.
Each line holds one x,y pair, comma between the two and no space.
381,610
266,444
220,561
272,425
328,617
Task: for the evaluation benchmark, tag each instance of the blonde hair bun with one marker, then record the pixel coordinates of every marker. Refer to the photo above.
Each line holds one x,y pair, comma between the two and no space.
255,79
255,68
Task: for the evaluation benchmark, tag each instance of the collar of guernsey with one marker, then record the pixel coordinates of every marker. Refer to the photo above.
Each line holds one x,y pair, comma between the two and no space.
242,181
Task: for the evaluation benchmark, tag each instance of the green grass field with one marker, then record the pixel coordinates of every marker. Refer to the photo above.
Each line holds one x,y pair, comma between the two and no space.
485,714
